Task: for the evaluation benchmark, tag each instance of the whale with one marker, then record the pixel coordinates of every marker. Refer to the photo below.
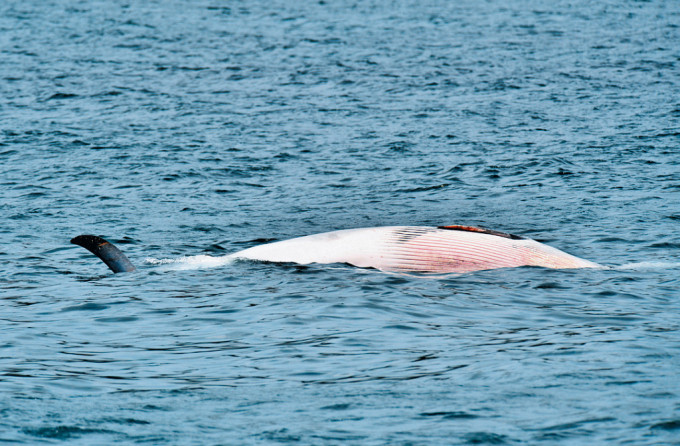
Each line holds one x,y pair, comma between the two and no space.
407,249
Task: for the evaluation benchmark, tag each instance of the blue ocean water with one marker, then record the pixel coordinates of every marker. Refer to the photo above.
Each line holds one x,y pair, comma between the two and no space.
180,129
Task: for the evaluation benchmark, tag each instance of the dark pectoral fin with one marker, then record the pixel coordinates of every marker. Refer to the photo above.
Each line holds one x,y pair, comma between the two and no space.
107,252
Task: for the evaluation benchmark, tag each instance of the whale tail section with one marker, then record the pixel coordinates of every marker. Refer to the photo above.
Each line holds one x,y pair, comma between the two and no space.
107,252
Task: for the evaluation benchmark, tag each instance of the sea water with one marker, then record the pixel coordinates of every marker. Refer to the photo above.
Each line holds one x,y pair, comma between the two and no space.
185,131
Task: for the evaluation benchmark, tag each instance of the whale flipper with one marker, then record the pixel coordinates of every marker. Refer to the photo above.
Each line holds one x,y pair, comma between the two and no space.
108,252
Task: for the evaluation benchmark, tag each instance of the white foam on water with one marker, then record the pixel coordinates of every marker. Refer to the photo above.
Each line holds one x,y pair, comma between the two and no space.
648,265
191,262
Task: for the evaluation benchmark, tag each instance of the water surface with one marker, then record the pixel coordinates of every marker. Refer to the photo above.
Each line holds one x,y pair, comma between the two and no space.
186,129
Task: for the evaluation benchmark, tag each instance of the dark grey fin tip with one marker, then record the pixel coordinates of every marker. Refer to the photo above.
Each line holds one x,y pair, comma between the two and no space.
107,252
481,231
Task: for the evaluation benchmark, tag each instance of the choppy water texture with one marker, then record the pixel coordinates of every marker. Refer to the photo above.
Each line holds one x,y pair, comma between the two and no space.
184,129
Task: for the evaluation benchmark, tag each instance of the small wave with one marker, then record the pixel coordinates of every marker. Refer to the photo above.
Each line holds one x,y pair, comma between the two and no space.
191,262
649,265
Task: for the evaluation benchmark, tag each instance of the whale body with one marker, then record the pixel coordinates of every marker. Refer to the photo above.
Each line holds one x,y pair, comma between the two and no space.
422,249
443,249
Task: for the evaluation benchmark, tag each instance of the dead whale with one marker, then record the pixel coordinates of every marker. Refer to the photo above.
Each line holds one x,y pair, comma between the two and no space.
422,249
